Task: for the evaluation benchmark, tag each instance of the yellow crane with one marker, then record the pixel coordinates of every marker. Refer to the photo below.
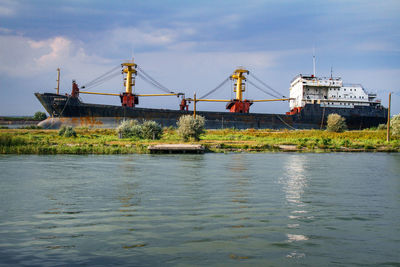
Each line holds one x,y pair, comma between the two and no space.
237,105
128,98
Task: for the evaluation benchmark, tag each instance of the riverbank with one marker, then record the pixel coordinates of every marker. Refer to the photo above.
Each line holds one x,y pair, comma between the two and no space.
106,141
14,122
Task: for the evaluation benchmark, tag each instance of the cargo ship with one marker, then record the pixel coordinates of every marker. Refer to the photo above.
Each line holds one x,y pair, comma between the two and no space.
311,100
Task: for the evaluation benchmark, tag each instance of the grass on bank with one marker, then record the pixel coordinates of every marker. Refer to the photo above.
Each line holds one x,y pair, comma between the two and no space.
106,141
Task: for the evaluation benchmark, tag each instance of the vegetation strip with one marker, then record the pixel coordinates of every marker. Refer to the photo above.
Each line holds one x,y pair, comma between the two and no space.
107,141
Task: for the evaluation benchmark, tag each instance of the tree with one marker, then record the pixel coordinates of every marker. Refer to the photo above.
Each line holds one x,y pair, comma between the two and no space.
133,129
189,127
151,130
336,123
395,124
67,131
129,128
40,116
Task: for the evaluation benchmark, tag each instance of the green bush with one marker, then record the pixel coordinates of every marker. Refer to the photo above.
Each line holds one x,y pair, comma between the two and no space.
40,116
124,130
67,131
151,130
382,126
190,128
31,127
61,131
336,123
395,124
9,140
132,129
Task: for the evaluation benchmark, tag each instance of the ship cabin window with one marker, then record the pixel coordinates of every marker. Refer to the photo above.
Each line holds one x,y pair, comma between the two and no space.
355,89
345,89
351,89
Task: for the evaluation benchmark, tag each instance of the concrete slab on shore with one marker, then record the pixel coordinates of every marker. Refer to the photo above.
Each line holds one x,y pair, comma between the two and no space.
176,148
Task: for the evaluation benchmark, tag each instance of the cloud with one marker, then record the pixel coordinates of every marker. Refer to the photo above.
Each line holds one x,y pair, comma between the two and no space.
31,57
8,8
156,37
5,30
377,46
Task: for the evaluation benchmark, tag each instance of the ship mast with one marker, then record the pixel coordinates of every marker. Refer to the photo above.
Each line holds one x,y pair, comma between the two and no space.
130,69
58,81
128,99
238,104
238,77
314,62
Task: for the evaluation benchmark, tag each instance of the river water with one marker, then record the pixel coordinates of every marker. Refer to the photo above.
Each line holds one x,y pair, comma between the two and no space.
272,209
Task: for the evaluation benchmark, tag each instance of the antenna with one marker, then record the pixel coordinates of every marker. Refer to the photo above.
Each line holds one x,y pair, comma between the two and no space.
58,81
314,61
331,72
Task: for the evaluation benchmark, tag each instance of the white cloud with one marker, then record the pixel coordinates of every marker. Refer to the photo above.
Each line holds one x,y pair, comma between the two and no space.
156,37
30,57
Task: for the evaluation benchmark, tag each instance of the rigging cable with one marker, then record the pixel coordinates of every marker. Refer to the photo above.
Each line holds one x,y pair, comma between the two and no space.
287,124
215,89
100,81
154,82
266,85
259,88
101,77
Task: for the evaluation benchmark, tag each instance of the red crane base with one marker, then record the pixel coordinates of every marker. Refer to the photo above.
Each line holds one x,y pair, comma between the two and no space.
239,106
129,100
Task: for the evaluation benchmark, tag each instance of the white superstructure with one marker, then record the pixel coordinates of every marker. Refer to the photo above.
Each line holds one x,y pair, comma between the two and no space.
327,92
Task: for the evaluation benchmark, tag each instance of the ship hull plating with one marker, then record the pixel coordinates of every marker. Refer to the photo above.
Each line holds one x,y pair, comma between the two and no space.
66,110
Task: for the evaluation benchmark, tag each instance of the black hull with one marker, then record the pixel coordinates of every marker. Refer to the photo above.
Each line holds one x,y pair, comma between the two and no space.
70,110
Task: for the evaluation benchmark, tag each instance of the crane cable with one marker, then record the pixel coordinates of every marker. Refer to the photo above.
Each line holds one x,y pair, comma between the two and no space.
102,78
215,89
151,80
262,90
266,85
99,82
153,83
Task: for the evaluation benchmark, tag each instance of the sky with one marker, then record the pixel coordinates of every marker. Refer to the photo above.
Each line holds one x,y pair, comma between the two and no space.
192,46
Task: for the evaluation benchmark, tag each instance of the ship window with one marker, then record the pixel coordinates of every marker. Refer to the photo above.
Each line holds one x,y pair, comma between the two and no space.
351,89
345,89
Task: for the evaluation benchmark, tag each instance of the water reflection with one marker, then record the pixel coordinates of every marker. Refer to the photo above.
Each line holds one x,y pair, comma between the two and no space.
240,183
295,182
129,194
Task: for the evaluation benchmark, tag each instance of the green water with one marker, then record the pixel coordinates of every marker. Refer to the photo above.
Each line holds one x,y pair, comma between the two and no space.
275,209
